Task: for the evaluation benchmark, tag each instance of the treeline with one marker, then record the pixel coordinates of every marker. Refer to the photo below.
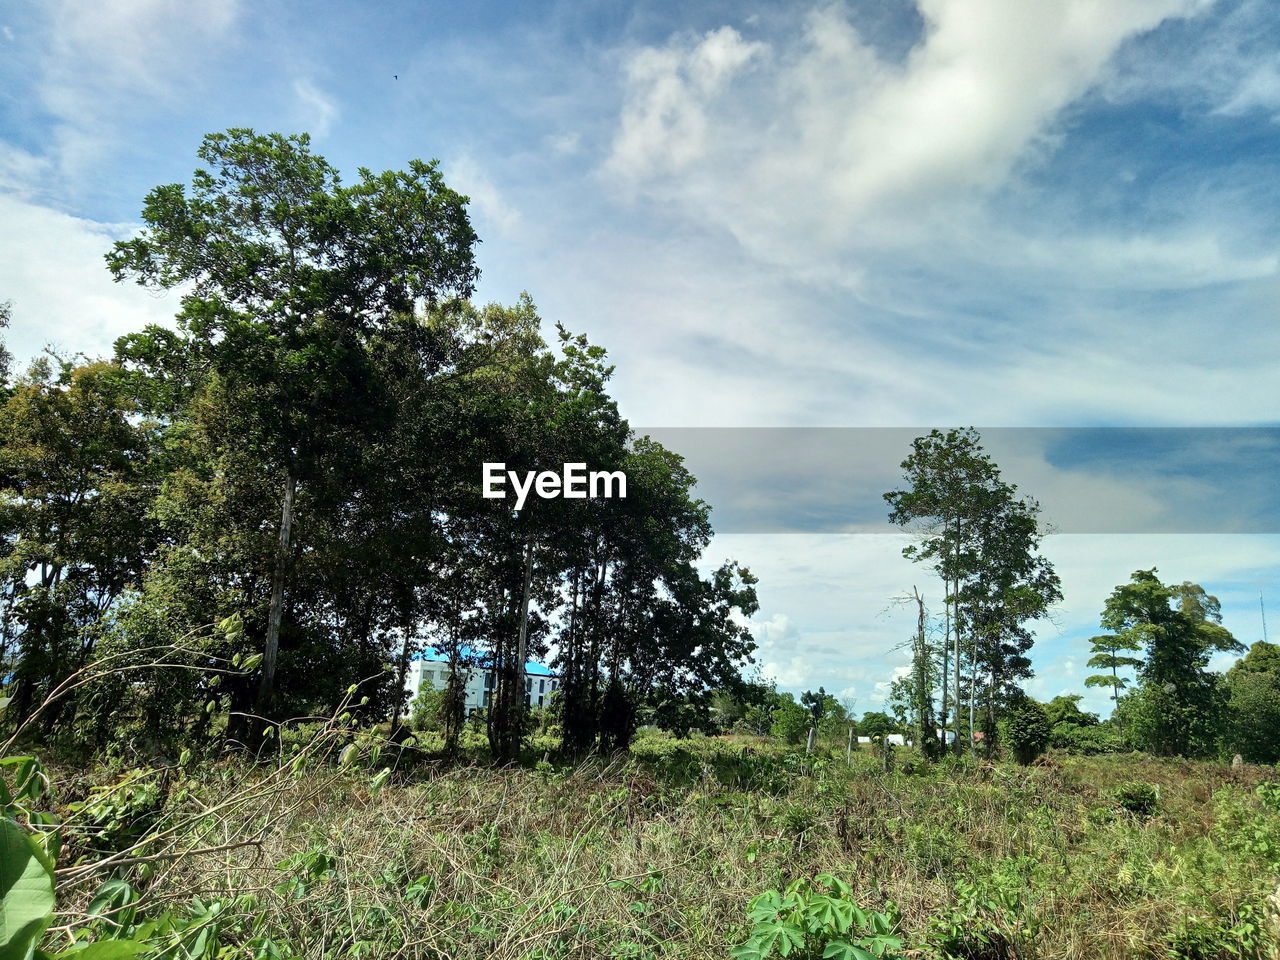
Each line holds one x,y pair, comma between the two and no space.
280,497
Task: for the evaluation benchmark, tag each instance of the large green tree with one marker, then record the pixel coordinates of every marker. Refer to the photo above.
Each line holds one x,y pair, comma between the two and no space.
1253,704
77,478
289,276
1178,707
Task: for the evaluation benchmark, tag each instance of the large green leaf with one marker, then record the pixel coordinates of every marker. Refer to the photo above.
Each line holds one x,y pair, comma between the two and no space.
102,950
26,892
843,950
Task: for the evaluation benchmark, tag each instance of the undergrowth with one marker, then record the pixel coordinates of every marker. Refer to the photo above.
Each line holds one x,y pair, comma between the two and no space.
682,849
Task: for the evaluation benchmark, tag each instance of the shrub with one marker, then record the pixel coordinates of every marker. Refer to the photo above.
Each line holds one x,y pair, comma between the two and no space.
1139,799
1027,731
1086,741
818,918
427,710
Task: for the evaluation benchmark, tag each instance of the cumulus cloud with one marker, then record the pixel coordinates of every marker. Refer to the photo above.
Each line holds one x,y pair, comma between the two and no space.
833,145
61,291
101,59
672,90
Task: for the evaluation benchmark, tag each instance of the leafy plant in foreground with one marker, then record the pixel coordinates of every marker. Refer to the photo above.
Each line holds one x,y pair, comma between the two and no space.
817,919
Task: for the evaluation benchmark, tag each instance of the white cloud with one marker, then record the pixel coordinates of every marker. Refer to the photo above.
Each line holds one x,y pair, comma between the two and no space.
317,111
104,59
487,201
833,149
51,267
672,89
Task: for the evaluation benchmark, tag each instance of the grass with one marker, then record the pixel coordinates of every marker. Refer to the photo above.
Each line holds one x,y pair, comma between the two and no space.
657,855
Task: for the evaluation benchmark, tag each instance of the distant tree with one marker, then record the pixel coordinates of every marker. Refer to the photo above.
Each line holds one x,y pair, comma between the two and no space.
1028,730
1113,652
1253,704
6,358
876,724
1066,709
1178,708
982,539
789,720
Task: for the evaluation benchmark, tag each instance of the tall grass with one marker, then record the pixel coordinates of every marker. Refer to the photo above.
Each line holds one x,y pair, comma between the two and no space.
656,855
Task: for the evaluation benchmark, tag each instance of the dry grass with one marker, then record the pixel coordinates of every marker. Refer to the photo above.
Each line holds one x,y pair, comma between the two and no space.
658,858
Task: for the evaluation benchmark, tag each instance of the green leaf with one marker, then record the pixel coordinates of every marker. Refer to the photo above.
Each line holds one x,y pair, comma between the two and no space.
110,900
828,913
26,892
843,950
747,951
102,950
785,936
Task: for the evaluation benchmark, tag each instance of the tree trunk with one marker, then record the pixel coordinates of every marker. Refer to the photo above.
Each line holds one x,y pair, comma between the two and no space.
398,698
973,694
266,689
955,657
945,718
920,666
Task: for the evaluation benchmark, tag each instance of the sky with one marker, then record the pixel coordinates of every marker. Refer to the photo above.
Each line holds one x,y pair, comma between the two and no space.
872,214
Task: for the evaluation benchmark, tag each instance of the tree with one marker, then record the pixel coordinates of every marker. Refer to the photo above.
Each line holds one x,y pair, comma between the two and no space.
816,705
6,358
77,479
290,276
1178,708
876,724
1110,652
1028,730
982,539
790,721
1253,704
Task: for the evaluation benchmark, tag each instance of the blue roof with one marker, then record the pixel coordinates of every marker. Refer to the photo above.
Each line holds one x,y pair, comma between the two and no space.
481,657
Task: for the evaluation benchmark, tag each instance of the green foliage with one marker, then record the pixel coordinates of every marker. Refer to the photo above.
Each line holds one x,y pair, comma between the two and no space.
1087,740
876,724
812,919
1140,799
26,891
1027,731
116,815
427,711
1252,687
989,917
1178,710
788,720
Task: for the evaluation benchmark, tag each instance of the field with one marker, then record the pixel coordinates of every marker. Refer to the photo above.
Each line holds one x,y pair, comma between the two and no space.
658,854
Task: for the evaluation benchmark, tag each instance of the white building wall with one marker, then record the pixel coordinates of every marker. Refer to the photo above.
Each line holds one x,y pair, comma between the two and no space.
480,684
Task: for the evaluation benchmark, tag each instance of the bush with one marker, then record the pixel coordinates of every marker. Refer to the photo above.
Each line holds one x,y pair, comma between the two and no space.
427,710
1027,731
818,918
1086,741
1140,799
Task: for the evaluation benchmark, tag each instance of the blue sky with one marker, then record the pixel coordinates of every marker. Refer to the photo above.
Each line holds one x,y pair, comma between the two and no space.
862,214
